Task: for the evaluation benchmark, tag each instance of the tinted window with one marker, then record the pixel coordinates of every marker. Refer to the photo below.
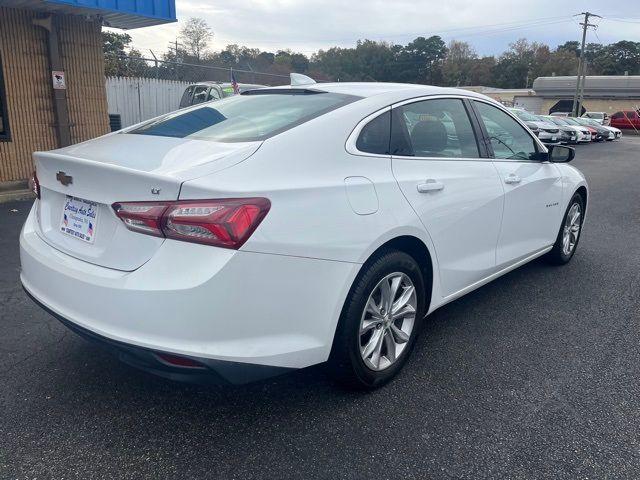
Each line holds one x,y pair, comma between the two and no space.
617,115
213,94
199,94
4,121
245,118
374,137
434,128
185,101
508,138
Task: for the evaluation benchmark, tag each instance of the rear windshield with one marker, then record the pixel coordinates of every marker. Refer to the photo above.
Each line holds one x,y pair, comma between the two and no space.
245,118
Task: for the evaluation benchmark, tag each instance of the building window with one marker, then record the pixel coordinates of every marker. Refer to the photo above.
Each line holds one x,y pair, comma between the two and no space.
4,121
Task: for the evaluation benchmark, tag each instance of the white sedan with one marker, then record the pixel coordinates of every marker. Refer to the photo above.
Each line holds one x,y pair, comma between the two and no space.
291,226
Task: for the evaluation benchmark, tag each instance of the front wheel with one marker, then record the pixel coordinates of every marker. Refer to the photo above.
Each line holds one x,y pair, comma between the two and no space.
379,322
569,234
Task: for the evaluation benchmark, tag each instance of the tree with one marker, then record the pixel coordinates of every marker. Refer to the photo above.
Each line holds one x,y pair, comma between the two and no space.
297,62
481,71
521,64
614,59
114,46
457,66
420,61
196,35
572,46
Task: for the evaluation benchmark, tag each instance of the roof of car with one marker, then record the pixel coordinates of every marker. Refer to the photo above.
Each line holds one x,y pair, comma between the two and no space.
370,89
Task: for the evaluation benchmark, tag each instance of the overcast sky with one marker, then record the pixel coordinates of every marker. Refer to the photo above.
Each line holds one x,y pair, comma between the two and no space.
309,25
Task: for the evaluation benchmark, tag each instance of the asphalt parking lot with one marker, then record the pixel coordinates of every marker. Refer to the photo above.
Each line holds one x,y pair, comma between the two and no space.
536,375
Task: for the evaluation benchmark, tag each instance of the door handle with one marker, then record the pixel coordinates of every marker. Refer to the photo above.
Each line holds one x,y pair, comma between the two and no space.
512,179
430,186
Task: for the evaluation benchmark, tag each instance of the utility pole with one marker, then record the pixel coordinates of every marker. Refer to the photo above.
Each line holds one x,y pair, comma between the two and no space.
177,60
580,78
156,62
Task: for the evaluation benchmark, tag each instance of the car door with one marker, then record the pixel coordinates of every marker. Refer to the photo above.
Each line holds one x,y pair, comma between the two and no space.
443,172
532,188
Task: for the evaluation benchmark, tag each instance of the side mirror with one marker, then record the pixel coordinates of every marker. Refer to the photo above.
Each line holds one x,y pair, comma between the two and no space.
560,154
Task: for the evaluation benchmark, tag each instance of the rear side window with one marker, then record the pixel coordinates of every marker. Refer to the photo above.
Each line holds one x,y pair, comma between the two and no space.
374,137
213,94
434,128
245,118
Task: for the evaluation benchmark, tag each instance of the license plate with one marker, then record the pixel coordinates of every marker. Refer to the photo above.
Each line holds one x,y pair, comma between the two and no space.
79,219
553,139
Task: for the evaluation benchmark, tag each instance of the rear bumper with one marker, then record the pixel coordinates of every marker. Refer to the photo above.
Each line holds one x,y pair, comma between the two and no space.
210,372
206,303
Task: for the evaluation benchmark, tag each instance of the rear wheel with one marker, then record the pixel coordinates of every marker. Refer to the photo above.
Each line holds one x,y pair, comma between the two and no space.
379,322
569,234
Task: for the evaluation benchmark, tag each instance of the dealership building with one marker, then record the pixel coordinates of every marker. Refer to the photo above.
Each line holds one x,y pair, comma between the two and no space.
608,94
52,84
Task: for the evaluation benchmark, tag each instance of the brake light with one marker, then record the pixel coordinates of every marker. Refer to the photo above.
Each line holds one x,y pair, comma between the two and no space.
224,223
34,185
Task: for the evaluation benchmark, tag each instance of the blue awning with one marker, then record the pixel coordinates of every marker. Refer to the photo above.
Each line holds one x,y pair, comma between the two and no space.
124,14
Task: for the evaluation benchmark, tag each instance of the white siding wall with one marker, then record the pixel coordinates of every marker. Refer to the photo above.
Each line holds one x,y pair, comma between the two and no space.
529,103
139,99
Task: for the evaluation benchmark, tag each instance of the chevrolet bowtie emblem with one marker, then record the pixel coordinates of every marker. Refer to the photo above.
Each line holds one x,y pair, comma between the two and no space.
64,179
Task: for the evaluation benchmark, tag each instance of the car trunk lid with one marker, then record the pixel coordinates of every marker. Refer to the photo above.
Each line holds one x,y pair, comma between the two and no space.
78,185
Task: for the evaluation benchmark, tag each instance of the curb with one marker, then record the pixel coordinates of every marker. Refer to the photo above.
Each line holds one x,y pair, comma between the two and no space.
15,195
13,191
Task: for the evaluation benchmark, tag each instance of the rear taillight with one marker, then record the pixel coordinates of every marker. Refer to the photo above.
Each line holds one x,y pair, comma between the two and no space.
34,185
224,223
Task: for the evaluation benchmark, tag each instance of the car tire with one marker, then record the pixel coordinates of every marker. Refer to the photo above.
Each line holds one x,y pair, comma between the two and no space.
569,235
370,347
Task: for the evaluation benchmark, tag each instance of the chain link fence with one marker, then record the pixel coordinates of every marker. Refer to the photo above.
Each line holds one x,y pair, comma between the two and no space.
141,67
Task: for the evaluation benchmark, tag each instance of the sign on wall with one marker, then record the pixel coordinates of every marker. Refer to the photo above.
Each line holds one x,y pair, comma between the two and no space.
59,82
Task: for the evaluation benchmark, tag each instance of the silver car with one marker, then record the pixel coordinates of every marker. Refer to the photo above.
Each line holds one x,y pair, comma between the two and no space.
549,133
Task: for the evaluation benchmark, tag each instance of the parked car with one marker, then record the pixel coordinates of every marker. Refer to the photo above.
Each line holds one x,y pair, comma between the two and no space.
548,132
603,131
626,119
568,135
209,91
286,227
596,136
601,117
613,132
582,134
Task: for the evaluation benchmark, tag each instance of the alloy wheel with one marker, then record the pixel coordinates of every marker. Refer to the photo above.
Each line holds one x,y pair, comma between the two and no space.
387,321
571,229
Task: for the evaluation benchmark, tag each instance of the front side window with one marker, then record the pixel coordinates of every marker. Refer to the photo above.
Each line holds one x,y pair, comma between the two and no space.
245,118
434,128
4,120
508,138
200,94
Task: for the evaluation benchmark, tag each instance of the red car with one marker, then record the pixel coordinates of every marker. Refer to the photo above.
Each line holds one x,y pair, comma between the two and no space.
626,119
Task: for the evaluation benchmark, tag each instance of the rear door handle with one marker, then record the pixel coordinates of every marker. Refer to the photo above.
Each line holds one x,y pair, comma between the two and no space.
430,185
512,179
